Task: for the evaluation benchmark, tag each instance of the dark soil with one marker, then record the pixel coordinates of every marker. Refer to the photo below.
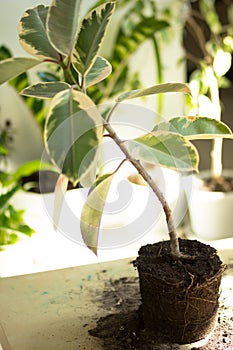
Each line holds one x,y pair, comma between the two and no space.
183,292
43,182
123,328
40,182
219,184
206,262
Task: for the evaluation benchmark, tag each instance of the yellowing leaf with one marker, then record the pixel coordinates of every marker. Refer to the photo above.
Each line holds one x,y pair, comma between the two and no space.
93,210
156,89
60,190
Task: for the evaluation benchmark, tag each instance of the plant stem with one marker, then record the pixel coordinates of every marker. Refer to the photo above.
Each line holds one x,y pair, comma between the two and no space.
160,77
216,158
174,243
68,74
216,152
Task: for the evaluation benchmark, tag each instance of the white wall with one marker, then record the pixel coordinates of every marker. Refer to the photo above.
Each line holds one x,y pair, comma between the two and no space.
171,52
10,14
28,142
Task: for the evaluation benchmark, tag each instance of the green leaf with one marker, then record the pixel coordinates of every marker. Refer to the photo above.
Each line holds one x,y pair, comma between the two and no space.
28,169
45,90
3,150
25,229
100,70
194,128
33,36
48,77
91,35
165,148
156,89
73,132
12,67
13,238
4,53
62,24
12,223
93,210
60,190
4,198
210,15
6,237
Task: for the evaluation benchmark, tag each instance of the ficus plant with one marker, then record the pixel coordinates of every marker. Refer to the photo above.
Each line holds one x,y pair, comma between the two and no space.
75,127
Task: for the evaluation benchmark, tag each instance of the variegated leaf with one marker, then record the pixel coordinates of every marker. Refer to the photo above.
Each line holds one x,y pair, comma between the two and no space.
45,90
33,36
100,70
73,132
90,37
165,148
12,67
156,89
196,127
62,24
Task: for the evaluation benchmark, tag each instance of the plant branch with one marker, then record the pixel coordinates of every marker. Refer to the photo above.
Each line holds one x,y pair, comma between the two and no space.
174,243
111,111
69,78
83,84
119,166
197,34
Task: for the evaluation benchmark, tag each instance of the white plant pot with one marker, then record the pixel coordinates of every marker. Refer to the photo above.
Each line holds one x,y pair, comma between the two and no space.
147,205
132,217
211,213
130,213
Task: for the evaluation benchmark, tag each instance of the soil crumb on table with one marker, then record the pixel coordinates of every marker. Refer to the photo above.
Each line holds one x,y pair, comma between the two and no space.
122,327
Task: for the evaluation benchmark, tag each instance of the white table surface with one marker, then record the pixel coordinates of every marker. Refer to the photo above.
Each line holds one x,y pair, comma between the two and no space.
54,310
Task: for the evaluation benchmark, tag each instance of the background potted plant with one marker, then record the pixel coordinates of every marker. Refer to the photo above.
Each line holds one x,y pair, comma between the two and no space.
211,202
12,222
74,131
14,227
